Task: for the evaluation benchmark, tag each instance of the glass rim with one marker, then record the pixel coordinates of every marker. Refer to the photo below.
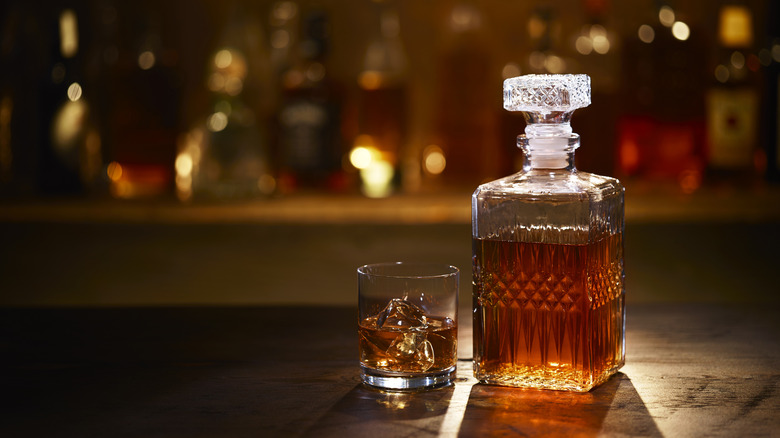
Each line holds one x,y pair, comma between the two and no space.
445,270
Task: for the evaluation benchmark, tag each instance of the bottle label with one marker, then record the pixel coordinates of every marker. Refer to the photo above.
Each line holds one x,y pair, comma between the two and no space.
305,135
732,117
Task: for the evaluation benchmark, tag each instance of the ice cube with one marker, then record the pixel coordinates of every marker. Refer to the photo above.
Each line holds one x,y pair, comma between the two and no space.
400,313
424,356
406,344
412,352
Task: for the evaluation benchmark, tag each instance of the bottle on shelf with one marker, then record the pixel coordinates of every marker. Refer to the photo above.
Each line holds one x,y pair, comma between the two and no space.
733,103
70,152
382,105
309,140
227,155
549,308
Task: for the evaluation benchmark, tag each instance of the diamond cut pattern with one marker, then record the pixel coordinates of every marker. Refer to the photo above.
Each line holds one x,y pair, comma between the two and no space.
546,93
539,290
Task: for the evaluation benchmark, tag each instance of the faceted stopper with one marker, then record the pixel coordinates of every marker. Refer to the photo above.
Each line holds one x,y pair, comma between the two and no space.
547,93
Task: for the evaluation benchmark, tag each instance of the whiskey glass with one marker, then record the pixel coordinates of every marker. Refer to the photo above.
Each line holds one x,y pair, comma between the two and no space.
407,325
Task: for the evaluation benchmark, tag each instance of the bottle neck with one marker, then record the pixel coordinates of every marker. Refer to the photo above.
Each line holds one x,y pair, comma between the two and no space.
549,152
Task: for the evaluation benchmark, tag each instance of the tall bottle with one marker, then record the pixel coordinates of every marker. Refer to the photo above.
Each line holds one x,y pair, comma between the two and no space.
64,114
309,120
227,155
549,307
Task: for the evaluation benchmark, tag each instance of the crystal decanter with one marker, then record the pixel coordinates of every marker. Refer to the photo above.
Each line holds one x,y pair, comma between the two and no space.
549,308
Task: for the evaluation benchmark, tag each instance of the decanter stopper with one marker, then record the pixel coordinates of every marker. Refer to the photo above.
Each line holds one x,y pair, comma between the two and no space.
547,101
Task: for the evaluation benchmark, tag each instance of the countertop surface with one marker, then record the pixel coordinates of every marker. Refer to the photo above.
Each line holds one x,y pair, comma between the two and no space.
691,370
148,320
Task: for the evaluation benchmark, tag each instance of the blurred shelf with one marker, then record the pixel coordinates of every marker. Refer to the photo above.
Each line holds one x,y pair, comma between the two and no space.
643,205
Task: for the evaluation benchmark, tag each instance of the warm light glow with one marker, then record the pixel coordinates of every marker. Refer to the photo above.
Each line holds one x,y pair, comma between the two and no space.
776,52
666,16
536,26
597,30
223,58
370,80
280,39
681,31
377,179
555,64
646,34
584,45
183,164
735,28
510,70
184,187
722,73
114,171
434,161
283,12
267,184
690,181
360,157
315,72
464,18
217,122
68,125
74,92
233,86
69,34
536,60
216,81
146,60
601,44
737,60
629,155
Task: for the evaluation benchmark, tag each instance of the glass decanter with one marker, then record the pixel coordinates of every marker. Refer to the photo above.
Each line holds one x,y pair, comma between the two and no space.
549,308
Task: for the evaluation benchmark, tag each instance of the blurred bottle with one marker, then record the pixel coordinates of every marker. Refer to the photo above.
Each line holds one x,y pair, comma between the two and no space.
145,101
733,102
70,155
227,155
310,144
661,132
382,103
466,102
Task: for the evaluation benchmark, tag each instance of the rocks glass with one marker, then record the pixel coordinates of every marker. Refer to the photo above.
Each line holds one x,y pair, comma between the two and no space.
408,324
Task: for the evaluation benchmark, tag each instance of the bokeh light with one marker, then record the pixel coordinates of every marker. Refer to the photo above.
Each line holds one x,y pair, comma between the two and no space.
681,31
666,16
146,60
646,33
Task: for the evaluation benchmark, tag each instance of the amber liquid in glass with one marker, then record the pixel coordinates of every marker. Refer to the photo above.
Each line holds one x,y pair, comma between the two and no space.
404,350
548,315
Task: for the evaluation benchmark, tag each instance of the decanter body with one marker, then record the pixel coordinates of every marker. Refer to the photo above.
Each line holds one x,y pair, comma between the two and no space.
549,307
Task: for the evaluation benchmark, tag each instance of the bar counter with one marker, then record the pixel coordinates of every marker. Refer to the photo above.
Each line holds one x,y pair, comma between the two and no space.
692,370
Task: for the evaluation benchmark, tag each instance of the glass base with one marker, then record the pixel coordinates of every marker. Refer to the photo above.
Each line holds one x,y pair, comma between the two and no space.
544,378
406,381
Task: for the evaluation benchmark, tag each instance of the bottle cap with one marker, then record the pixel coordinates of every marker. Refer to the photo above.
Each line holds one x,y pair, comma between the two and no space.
547,93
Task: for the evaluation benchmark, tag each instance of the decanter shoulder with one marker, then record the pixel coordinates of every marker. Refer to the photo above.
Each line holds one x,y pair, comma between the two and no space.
545,183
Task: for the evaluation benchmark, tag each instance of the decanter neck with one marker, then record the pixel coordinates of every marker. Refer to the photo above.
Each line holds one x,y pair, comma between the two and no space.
549,152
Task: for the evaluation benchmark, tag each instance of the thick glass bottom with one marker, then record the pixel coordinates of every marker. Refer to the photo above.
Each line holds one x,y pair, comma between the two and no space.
398,381
543,378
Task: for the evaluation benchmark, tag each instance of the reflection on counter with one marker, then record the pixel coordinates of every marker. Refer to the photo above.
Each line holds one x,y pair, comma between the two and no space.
252,100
